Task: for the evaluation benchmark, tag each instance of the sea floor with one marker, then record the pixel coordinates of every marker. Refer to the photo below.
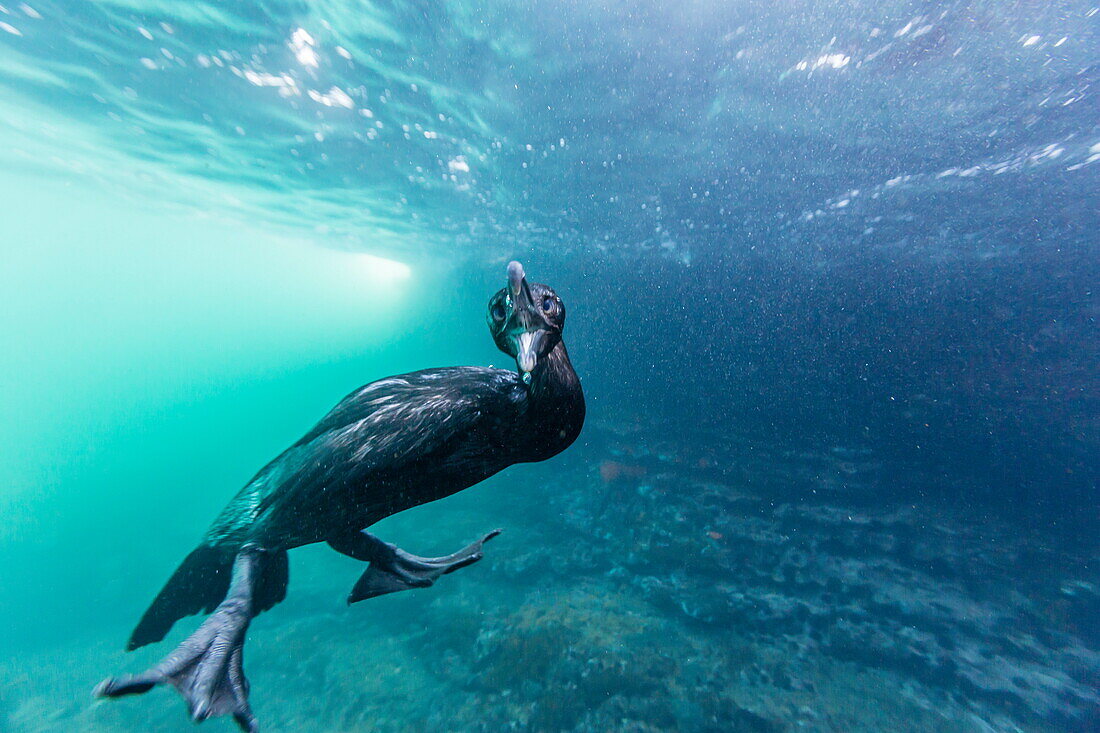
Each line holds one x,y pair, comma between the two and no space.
643,586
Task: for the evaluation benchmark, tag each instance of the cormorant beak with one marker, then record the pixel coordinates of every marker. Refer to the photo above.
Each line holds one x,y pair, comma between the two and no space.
527,324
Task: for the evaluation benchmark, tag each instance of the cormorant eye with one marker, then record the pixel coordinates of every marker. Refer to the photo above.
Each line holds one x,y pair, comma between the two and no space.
547,303
497,311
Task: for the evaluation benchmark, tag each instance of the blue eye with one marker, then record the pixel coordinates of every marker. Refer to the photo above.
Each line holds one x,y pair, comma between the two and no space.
547,303
497,311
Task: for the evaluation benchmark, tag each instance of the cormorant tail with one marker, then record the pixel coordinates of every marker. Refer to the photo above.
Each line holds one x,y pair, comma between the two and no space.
198,586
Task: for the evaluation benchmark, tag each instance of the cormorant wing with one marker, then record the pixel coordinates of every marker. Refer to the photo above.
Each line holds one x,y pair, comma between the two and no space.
384,425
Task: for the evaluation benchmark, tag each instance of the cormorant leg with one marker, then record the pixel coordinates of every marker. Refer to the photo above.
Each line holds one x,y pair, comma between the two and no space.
392,569
207,668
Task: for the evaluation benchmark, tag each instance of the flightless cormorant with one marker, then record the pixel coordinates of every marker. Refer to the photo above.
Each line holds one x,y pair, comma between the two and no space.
389,446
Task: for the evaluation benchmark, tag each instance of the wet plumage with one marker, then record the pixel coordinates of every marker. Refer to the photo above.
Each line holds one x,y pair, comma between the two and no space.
389,446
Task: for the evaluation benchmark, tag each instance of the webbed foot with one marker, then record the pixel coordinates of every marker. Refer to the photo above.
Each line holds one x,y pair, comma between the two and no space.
392,569
207,668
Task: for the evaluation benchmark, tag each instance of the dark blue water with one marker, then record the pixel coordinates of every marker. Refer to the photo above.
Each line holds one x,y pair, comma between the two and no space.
830,273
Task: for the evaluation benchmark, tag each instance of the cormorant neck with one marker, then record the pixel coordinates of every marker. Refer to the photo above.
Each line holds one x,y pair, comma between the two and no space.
557,402
553,378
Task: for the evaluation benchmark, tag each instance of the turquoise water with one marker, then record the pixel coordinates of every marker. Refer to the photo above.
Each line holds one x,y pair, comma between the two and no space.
830,270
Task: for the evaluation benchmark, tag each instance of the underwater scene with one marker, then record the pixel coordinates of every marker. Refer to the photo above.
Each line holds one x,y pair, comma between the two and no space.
822,454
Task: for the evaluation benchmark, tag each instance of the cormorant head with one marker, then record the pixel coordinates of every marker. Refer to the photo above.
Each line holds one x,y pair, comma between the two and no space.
525,319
